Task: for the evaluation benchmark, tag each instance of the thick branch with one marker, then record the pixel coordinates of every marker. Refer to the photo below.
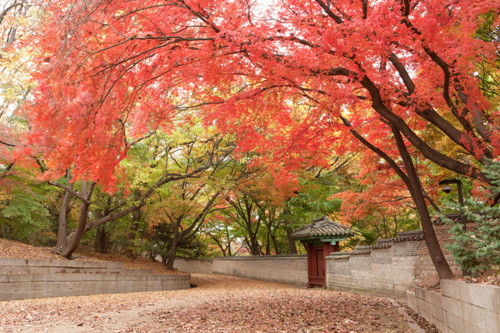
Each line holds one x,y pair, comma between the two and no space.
430,153
403,73
70,190
329,12
476,115
7,169
7,144
379,152
142,202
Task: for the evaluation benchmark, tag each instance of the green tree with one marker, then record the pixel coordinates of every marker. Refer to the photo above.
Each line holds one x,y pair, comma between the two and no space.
24,215
478,251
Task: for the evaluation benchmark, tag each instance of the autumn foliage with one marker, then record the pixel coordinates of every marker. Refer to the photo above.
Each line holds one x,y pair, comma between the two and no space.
282,77
293,81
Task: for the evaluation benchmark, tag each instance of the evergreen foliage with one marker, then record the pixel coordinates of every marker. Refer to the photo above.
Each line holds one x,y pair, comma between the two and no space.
478,251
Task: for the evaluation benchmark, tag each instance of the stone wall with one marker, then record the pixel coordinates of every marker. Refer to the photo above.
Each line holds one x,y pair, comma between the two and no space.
291,269
428,275
36,278
202,266
460,307
389,267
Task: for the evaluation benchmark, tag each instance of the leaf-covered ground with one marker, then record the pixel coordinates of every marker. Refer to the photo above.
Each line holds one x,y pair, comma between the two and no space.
12,249
217,304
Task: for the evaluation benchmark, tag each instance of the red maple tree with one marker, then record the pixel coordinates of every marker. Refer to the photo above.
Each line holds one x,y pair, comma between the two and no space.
290,80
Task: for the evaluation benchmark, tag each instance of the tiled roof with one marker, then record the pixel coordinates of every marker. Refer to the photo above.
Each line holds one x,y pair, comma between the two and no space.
383,244
322,228
455,217
406,236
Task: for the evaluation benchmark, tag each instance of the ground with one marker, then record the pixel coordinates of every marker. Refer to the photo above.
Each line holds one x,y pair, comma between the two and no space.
216,304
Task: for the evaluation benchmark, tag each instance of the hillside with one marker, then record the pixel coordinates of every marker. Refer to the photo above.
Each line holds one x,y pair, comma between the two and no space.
13,249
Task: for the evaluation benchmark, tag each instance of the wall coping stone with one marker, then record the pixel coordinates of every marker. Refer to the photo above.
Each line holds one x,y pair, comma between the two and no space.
358,250
362,249
339,255
196,259
383,244
408,236
264,257
59,263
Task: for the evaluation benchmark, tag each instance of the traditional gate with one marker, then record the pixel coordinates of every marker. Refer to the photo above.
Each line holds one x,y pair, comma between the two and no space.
320,238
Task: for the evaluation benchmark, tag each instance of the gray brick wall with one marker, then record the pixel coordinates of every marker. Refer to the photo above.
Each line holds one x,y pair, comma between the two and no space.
387,268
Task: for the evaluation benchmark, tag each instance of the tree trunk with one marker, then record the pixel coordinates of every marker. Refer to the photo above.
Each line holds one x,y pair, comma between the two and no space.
62,228
292,248
275,244
228,247
102,240
254,245
412,182
73,239
173,250
415,188
268,243
102,236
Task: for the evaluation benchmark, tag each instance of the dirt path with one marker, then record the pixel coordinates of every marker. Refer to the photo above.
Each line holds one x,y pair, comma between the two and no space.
218,304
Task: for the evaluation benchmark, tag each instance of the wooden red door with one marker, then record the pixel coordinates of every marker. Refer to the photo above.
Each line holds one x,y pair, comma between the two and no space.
316,263
320,267
316,266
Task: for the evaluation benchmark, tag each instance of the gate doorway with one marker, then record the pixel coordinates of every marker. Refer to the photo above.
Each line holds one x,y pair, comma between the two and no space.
321,238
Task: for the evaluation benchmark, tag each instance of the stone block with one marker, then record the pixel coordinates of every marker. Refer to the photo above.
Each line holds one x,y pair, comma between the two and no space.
435,298
423,308
455,289
429,279
437,314
455,323
484,320
412,299
453,306
498,322
421,293
471,328
484,296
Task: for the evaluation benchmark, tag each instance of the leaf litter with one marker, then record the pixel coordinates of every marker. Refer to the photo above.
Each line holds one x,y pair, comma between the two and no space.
218,304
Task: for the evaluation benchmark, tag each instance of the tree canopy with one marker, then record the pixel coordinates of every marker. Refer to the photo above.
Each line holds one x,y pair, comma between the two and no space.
294,81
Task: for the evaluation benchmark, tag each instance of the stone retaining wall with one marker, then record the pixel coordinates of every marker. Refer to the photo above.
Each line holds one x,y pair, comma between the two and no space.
30,278
55,266
391,266
460,307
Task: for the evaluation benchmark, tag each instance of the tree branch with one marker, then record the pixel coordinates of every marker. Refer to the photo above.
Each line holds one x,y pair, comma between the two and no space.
73,192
